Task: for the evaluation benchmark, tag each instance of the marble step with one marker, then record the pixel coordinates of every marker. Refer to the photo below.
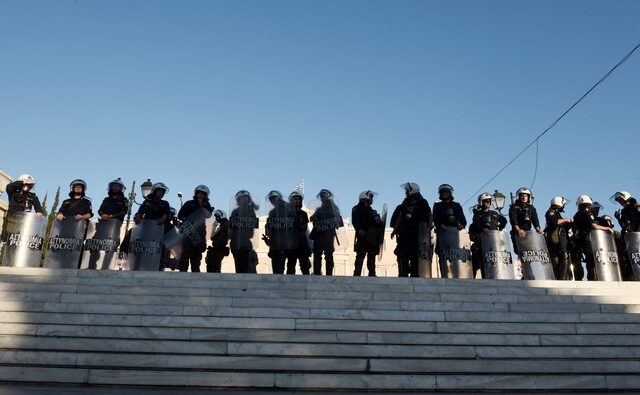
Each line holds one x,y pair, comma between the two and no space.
204,280
68,273
322,381
191,327
148,361
275,298
194,287
131,314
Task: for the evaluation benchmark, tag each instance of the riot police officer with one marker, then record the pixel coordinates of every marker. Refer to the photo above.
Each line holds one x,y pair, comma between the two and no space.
523,216
219,240
484,220
154,207
584,221
406,220
602,220
21,200
629,219
557,237
326,220
447,213
629,216
115,205
367,224
77,206
302,253
243,223
280,232
193,253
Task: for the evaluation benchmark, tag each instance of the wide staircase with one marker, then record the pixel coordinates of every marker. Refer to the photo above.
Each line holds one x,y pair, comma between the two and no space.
267,332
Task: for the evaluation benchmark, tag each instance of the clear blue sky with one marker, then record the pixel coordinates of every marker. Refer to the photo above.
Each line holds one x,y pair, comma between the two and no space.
349,95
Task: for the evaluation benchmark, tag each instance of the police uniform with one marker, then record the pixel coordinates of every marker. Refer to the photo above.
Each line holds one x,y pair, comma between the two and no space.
630,217
218,249
115,206
408,217
302,252
280,230
325,220
483,220
19,202
583,222
557,242
241,237
72,207
449,214
155,209
629,220
367,221
524,216
193,253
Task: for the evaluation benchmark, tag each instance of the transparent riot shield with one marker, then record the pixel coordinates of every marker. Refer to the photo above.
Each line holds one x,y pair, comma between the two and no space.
191,232
65,244
280,228
605,255
25,239
244,232
381,240
632,241
425,250
534,255
327,224
455,254
101,247
496,255
145,246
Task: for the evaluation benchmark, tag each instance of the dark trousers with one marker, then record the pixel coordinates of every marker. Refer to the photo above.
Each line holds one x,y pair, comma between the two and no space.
317,262
278,259
214,263
626,269
371,263
578,270
476,259
559,261
298,256
513,242
190,256
241,260
408,265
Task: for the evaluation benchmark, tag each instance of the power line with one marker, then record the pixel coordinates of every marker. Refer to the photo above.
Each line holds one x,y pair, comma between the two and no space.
535,170
553,124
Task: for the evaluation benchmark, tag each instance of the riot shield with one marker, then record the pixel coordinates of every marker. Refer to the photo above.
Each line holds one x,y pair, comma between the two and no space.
425,250
244,233
534,255
145,246
191,232
101,248
281,225
605,255
496,255
65,244
632,241
328,225
25,238
454,255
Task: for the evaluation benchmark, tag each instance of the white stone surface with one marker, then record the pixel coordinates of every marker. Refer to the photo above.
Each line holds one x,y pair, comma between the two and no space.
319,333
